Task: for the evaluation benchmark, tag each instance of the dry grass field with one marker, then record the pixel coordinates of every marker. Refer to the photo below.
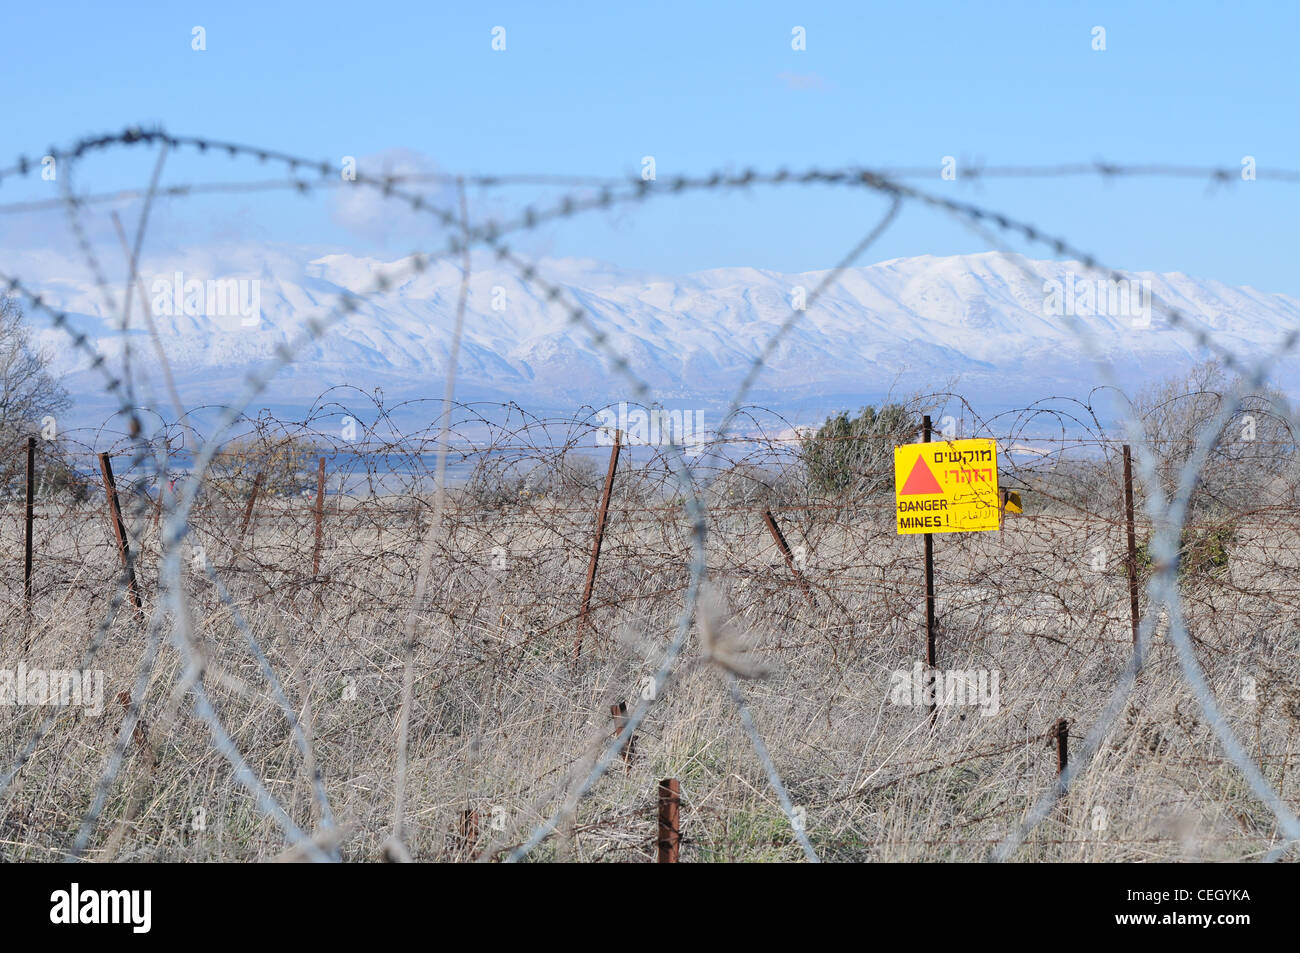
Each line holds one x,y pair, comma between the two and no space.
504,722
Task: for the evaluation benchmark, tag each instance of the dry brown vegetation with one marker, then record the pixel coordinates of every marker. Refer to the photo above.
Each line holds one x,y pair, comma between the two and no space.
504,721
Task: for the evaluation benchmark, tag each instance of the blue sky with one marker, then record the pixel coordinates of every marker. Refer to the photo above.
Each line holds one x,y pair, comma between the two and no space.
591,88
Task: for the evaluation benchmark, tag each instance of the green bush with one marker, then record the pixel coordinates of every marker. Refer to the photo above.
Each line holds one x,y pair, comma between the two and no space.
60,479
285,462
1201,552
857,454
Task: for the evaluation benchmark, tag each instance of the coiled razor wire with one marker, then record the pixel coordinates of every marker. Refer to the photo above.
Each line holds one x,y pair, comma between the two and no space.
1168,518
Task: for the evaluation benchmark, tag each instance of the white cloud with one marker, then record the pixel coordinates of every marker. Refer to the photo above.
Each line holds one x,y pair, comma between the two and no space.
367,213
801,81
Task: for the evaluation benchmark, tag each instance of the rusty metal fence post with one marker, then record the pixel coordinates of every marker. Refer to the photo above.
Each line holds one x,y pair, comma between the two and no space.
320,520
1061,732
601,517
119,530
931,660
28,516
467,831
782,545
248,511
670,820
619,713
1132,542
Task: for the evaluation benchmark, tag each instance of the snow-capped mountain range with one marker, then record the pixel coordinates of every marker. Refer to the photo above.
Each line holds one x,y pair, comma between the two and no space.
976,323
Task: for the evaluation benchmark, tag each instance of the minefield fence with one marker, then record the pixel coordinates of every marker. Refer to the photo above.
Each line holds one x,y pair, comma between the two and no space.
833,599
376,698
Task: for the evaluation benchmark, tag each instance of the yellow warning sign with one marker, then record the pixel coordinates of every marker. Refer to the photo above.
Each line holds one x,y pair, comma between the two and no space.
949,486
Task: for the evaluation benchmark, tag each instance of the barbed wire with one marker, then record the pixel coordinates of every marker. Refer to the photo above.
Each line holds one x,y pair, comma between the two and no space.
1167,518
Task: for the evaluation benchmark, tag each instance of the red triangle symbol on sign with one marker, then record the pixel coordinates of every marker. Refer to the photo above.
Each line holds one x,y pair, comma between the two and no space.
920,480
